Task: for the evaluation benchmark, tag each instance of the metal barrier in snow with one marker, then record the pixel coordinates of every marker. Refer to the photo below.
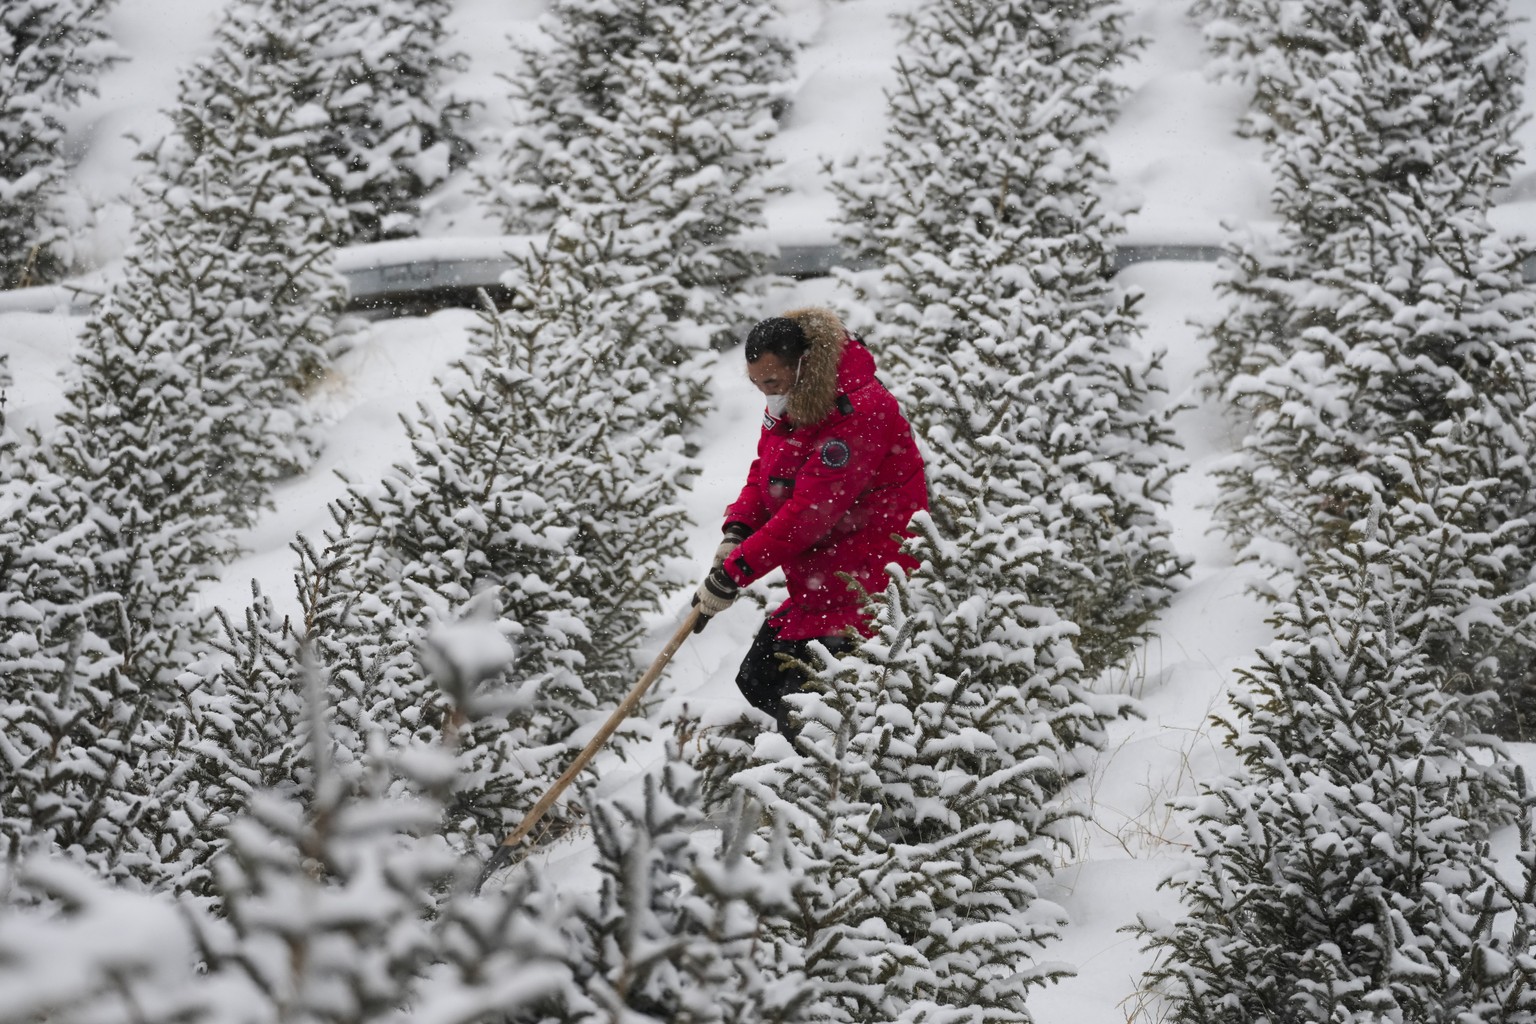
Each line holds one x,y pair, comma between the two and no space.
416,276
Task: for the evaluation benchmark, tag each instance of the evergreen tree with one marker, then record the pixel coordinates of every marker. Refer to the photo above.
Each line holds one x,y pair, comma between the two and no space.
255,670
51,54
74,949
464,536
1457,604
1345,873
670,931
848,938
397,128
1011,348
372,76
327,900
924,800
1389,304
91,724
547,495
259,283
116,519
1387,299
1331,178
740,891
341,905
1520,897
658,114
185,407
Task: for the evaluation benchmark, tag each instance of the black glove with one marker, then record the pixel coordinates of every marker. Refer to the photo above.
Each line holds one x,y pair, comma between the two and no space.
714,596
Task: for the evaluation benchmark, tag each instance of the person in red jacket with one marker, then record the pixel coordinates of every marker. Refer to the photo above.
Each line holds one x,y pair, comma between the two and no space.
828,499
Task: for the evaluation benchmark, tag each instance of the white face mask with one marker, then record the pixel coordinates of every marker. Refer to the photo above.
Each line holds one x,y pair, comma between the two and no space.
778,403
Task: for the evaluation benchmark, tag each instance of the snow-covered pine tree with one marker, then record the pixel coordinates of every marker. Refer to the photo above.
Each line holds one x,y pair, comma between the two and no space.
237,163
986,213
115,519
232,176
1279,51
1409,312
669,933
75,949
340,904
846,940
185,408
374,80
1387,298
51,54
547,492
396,127
254,672
462,525
1520,896
114,523
741,891
1460,599
326,899
1345,873
924,799
340,900
1258,273
84,728
383,688
589,331
660,113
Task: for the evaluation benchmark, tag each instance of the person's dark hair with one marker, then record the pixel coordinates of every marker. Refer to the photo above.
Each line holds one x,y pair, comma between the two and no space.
778,336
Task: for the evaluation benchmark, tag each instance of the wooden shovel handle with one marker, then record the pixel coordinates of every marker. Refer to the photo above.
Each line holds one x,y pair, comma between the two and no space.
624,710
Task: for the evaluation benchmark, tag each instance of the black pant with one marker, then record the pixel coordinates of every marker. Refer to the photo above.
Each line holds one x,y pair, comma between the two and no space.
764,677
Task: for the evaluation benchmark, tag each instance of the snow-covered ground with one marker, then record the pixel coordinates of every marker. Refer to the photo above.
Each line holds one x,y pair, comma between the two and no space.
1174,154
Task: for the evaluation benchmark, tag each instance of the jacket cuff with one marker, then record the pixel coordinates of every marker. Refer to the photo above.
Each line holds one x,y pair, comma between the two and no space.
739,569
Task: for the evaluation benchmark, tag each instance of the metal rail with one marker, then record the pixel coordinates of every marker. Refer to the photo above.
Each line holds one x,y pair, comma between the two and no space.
414,277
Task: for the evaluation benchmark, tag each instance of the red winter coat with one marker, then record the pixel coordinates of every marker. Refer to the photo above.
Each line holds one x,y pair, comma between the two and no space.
832,490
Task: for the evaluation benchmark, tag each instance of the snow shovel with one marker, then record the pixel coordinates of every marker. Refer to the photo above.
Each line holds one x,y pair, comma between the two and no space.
503,855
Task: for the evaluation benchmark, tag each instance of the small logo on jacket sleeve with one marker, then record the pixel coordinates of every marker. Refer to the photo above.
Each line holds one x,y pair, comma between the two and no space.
835,454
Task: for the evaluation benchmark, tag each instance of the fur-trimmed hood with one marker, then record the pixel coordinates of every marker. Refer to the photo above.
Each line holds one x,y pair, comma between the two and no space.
812,398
